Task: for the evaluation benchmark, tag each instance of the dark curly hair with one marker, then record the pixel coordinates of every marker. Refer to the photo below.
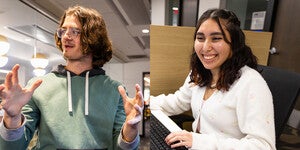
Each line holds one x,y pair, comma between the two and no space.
94,37
241,53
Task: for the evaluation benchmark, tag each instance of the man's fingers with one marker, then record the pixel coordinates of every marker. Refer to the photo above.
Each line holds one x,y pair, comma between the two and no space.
2,87
8,82
15,78
137,88
122,92
12,77
35,85
139,95
138,116
135,120
138,108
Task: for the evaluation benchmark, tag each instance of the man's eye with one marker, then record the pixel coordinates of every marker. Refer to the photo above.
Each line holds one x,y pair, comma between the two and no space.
75,31
62,32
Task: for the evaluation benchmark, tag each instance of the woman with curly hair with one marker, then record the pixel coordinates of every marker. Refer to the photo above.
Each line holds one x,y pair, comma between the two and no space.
76,106
230,101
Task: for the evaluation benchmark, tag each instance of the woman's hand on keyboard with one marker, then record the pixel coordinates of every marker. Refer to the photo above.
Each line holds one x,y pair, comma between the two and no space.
180,138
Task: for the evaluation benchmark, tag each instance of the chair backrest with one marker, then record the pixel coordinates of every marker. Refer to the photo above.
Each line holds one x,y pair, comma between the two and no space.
285,88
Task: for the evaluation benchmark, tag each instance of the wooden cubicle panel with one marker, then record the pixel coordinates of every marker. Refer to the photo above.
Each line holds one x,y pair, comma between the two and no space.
170,50
260,43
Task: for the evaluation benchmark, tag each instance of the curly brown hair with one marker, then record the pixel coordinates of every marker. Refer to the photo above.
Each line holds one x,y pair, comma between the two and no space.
241,53
94,37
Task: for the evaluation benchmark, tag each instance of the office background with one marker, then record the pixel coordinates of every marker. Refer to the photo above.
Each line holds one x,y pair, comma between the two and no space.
20,20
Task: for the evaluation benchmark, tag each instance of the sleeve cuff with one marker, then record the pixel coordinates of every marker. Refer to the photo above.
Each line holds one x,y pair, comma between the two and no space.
12,134
128,145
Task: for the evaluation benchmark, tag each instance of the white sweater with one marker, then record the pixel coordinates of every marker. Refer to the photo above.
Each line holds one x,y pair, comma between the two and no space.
241,118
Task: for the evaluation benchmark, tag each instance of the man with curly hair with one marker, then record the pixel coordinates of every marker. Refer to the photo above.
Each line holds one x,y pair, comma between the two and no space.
75,106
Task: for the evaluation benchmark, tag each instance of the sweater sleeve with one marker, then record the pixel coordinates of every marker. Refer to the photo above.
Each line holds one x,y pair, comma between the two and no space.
255,115
173,104
129,145
13,138
12,134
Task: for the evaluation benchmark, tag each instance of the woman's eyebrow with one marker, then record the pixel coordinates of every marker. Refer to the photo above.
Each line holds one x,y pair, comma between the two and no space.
216,33
211,34
199,33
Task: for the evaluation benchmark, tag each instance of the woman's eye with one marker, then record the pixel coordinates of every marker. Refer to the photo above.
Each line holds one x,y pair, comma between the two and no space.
216,38
199,38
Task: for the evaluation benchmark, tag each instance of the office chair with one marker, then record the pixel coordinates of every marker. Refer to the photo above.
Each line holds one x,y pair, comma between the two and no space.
285,88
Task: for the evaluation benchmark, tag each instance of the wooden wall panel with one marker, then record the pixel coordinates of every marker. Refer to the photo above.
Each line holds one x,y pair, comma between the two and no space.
170,48
260,43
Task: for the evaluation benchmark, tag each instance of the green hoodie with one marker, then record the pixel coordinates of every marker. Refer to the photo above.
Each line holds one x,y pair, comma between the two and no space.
73,112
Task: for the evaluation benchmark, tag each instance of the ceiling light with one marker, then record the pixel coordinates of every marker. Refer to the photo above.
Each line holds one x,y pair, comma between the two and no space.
39,61
39,72
145,30
4,45
3,61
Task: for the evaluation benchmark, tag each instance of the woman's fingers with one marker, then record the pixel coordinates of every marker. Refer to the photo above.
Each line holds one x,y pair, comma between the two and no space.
177,139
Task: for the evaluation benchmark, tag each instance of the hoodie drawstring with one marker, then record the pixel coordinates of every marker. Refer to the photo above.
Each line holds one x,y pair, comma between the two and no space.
86,109
86,104
69,92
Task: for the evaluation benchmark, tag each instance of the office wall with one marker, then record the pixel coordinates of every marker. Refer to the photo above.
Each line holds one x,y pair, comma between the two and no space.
207,4
128,74
115,71
240,9
133,74
158,12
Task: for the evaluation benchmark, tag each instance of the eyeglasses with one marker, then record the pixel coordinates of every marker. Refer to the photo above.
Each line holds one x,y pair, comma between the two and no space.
73,32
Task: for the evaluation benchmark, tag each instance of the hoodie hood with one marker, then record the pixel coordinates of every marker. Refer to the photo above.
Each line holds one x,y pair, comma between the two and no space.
88,73
93,72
